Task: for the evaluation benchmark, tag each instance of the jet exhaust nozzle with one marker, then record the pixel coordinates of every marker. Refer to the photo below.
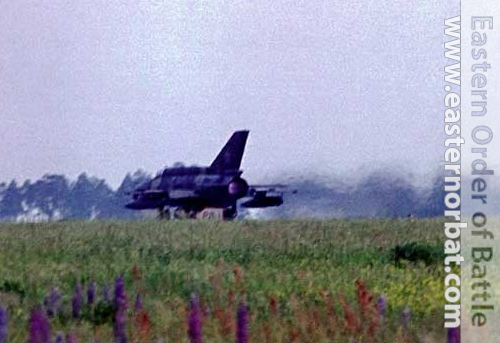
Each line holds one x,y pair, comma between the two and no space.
238,187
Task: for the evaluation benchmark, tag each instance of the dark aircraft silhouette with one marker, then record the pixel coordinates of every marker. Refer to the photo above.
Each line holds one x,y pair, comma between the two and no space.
205,192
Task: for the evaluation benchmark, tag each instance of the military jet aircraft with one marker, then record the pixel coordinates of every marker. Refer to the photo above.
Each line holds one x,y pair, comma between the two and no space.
205,192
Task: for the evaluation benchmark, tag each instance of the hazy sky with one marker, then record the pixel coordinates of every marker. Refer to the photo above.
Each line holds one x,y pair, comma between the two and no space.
325,87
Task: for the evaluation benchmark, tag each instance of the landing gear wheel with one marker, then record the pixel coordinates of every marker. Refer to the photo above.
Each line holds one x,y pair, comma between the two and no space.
164,213
229,213
179,213
184,213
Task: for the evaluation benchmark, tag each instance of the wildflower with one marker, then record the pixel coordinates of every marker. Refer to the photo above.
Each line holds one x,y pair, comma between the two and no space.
77,301
351,321
91,293
226,320
293,335
136,273
453,335
194,321
273,306
3,325
242,324
143,325
71,339
382,306
138,302
52,303
364,298
38,327
105,294
59,338
120,295
238,276
405,319
119,327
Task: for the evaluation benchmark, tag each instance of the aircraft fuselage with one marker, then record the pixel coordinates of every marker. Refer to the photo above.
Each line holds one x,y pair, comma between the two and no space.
193,189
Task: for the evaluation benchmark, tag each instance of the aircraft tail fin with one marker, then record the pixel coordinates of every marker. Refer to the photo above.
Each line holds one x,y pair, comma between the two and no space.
229,158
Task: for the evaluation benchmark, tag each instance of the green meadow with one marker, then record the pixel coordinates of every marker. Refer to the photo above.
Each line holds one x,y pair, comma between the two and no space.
303,281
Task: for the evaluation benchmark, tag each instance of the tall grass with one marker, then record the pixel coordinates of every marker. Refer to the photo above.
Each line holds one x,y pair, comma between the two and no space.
296,279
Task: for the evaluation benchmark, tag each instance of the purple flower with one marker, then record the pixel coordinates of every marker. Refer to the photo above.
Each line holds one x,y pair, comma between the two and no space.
194,321
120,295
105,294
77,301
119,327
405,319
71,339
453,335
91,293
138,302
52,303
382,306
59,338
4,322
242,324
38,327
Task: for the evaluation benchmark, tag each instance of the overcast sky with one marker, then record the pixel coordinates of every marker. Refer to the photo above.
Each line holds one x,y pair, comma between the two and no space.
326,87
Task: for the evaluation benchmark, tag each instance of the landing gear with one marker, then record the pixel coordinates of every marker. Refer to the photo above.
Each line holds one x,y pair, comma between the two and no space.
180,213
229,213
168,213
213,213
164,213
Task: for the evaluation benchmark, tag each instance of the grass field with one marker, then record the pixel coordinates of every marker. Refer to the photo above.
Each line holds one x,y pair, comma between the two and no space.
298,279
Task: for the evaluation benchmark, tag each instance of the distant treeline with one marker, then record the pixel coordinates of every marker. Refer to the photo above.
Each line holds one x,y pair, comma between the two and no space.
54,197
379,195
